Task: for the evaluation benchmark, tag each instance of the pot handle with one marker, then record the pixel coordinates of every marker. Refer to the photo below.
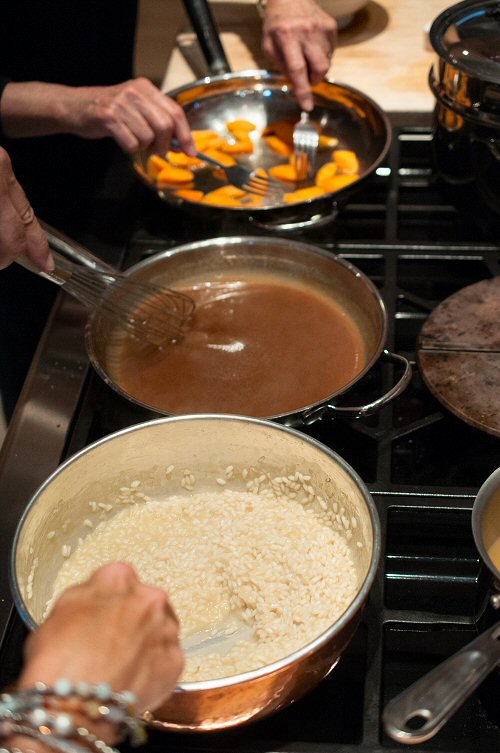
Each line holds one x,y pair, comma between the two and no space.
365,410
435,697
316,221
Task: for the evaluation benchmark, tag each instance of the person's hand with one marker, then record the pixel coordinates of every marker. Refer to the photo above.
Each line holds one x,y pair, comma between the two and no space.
300,38
111,629
136,114
20,233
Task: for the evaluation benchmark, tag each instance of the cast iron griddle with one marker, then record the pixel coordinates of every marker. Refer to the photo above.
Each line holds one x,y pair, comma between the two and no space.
458,354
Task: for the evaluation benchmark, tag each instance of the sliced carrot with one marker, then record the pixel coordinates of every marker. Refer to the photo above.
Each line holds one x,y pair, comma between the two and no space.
217,199
240,134
224,159
155,165
239,147
240,125
327,142
171,174
199,135
180,159
283,129
284,172
229,190
339,181
279,146
327,171
303,194
191,194
346,160
205,139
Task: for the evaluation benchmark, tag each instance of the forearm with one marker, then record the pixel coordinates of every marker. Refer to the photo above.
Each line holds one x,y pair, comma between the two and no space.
33,108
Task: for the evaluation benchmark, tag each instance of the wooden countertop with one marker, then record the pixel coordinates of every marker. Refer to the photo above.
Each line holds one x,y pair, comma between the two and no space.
384,52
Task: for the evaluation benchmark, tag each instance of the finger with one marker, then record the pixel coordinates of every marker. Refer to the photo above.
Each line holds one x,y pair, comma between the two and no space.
296,69
168,119
131,131
154,603
318,63
27,236
118,577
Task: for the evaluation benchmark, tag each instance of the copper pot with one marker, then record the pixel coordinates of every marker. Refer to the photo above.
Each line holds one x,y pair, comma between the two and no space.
206,444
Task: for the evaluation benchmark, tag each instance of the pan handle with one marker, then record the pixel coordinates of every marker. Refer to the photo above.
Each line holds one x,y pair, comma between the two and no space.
317,221
365,410
432,700
205,28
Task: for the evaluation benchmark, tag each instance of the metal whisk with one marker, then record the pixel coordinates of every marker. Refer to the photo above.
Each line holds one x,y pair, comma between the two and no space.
142,309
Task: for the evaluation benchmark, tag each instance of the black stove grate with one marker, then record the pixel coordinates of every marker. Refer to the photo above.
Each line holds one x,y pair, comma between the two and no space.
422,464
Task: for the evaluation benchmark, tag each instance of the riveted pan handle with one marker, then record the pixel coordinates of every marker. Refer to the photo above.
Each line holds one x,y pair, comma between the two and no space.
420,711
312,415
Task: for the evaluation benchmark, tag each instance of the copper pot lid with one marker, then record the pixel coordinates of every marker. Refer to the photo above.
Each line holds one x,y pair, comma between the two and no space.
458,353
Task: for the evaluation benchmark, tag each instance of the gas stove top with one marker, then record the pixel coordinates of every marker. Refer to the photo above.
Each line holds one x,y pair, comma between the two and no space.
422,464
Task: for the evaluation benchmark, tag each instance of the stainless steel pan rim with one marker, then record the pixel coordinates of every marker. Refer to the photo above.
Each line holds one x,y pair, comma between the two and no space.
310,647
303,414
482,501
370,136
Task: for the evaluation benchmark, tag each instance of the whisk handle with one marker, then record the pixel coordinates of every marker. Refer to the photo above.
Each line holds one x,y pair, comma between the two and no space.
74,251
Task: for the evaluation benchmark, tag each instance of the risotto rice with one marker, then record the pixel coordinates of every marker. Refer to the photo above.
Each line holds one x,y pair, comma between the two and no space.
274,564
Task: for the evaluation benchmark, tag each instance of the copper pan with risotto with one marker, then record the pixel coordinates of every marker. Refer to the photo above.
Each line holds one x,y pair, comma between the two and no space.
266,541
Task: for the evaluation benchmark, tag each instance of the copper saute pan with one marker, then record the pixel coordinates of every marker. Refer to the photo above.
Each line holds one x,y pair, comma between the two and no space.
346,284
265,98
419,712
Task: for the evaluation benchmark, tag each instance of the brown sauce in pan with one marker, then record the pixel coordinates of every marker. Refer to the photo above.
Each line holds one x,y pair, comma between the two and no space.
259,347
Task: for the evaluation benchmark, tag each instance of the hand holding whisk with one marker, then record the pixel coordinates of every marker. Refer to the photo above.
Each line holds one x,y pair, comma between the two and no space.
143,309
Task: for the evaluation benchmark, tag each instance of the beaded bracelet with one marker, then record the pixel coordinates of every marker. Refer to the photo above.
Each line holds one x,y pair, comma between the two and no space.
44,712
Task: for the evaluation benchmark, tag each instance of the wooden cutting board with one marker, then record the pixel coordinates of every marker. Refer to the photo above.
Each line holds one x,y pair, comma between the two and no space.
384,52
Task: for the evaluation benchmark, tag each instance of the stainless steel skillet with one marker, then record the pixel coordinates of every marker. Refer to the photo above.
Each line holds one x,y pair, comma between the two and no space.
265,98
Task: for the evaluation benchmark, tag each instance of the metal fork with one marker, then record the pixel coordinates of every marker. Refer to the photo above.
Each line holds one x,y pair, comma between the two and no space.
248,180
305,146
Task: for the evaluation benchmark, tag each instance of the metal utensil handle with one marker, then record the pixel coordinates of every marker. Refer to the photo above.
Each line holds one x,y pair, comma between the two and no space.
74,251
205,28
174,144
435,697
313,223
58,275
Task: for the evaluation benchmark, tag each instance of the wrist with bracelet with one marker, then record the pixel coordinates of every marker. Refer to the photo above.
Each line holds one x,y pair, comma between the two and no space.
52,715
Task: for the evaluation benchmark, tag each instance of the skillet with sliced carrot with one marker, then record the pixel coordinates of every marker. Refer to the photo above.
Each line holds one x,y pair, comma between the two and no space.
239,142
